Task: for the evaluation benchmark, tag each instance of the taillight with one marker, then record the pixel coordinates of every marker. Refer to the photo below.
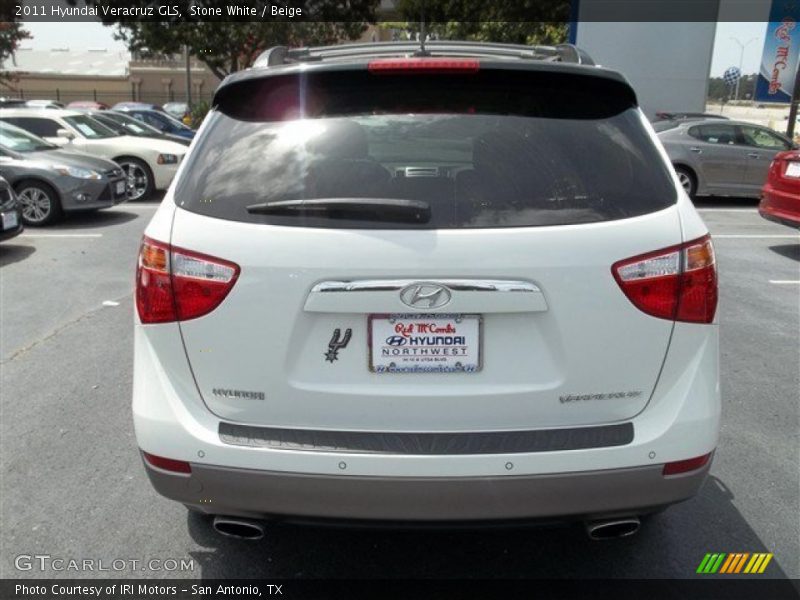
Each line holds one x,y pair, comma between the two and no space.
168,464
174,284
677,283
685,466
417,64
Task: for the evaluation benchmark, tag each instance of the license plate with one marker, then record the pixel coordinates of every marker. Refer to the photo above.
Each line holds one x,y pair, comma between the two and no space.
121,188
793,169
10,220
413,343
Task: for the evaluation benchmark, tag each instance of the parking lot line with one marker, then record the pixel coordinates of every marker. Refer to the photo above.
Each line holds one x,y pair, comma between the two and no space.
61,235
784,282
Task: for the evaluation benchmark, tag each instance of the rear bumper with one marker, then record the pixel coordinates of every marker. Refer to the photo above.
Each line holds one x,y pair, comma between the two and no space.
327,477
780,206
780,216
275,494
81,194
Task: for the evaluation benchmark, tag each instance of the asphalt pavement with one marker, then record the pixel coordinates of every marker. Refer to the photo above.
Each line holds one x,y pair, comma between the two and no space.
72,485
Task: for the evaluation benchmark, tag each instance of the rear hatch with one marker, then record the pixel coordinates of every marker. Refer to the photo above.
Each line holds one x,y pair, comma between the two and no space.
426,250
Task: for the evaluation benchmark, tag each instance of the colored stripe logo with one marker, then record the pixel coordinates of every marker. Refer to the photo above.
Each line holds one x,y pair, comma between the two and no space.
735,562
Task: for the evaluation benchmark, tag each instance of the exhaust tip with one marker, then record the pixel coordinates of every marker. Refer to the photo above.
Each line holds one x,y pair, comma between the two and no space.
612,528
242,529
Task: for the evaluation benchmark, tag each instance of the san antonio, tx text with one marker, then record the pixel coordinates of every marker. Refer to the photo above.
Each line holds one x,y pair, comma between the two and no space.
133,589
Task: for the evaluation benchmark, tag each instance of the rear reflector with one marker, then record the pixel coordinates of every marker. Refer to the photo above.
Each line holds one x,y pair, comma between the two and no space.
677,283
174,284
684,466
168,464
430,65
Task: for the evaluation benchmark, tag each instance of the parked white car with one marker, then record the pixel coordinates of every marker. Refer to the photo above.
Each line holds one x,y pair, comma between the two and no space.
150,164
449,288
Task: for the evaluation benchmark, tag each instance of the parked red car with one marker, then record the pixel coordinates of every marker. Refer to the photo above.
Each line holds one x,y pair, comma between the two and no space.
780,196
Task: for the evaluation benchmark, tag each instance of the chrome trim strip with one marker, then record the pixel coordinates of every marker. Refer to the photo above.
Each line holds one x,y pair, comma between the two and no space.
395,285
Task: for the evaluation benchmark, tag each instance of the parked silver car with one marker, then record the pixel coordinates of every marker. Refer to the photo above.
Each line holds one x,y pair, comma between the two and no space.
716,157
50,181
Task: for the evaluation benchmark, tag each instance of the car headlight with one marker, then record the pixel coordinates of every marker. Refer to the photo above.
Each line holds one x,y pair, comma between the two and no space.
77,172
167,159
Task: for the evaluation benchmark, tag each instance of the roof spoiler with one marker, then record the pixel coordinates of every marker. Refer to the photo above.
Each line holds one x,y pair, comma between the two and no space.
281,55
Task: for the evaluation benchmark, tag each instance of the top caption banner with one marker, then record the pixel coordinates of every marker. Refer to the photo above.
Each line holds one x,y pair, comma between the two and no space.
432,11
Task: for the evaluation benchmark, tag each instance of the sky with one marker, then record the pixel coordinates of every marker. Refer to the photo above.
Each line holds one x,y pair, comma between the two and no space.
727,52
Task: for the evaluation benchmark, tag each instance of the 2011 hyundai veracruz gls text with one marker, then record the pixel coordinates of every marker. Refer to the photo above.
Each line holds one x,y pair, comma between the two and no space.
454,285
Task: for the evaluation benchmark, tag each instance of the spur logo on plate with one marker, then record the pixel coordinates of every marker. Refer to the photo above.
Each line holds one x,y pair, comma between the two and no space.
337,343
425,295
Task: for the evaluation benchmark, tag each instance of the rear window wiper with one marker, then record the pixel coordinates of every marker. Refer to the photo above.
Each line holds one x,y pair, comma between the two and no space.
364,209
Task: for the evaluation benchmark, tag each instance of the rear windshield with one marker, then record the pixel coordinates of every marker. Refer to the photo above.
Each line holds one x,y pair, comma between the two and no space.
489,149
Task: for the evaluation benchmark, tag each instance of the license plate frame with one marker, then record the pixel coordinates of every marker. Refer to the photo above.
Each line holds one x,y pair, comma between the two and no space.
388,323
120,188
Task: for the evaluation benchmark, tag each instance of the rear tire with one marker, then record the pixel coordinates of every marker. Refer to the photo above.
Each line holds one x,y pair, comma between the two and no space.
141,183
688,180
39,203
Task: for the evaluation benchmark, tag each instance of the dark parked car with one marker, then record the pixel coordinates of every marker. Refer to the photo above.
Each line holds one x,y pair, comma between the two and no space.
11,103
50,181
10,217
160,121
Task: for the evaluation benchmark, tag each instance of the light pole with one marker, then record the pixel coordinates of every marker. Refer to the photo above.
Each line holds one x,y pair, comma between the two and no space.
188,76
741,60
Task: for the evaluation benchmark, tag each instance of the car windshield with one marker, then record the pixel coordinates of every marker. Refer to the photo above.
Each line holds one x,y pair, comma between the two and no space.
127,125
19,140
90,128
116,127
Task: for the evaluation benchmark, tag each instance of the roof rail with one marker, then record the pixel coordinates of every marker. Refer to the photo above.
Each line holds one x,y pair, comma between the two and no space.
281,55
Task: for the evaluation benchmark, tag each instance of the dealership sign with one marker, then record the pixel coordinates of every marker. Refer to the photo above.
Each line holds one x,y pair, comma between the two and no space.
781,50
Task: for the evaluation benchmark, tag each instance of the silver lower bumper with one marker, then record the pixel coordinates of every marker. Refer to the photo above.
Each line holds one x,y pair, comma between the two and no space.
271,494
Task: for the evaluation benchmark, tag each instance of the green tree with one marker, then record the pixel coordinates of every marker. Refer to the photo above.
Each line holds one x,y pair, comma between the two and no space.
519,22
228,46
11,34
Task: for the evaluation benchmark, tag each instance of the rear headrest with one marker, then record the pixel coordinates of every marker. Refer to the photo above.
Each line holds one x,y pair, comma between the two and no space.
342,139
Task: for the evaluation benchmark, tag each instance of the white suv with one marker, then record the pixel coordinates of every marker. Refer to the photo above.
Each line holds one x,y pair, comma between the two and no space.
460,286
